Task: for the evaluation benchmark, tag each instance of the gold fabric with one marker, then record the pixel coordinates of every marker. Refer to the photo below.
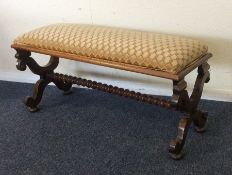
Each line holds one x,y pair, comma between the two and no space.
146,49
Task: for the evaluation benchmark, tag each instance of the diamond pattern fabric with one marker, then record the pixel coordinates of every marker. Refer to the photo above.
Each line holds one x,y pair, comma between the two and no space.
144,49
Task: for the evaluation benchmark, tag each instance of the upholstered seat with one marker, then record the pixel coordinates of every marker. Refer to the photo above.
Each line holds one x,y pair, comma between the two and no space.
151,50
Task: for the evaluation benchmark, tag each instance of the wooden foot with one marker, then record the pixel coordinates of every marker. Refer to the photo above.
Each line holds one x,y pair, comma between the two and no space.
176,145
200,121
32,102
64,86
68,92
30,109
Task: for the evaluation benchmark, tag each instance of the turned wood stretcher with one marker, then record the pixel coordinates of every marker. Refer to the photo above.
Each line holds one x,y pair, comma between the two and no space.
160,55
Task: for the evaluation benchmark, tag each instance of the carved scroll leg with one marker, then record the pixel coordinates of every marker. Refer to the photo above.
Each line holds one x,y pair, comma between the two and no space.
25,60
32,102
176,145
183,103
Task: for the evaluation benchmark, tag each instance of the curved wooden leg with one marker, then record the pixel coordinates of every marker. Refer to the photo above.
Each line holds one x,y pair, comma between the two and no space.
199,117
183,103
176,145
32,102
25,60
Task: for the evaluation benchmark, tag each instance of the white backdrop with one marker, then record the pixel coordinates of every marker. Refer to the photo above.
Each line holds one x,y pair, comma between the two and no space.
210,21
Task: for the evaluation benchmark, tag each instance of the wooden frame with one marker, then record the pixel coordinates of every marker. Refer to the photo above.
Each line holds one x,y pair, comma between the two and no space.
117,65
180,100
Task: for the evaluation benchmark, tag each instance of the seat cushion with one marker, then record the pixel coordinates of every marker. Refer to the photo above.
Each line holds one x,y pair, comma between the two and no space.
152,50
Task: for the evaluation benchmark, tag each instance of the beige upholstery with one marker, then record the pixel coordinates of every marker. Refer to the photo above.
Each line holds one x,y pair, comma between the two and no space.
145,49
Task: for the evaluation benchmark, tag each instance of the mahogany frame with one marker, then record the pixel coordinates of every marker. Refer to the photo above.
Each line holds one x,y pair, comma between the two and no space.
180,100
